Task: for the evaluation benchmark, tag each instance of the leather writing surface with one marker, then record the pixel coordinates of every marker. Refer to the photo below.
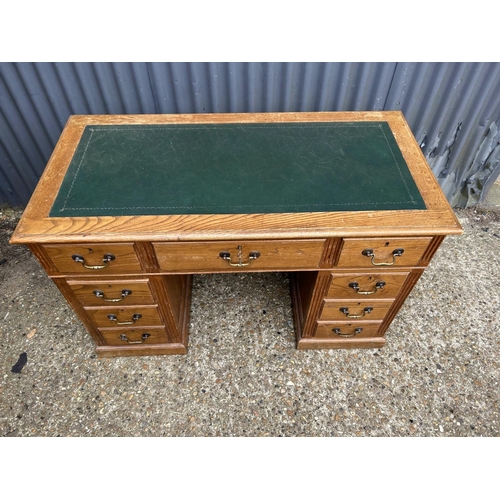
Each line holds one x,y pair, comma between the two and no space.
236,168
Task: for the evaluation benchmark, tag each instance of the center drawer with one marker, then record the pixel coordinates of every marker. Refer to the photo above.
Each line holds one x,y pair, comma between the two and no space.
276,255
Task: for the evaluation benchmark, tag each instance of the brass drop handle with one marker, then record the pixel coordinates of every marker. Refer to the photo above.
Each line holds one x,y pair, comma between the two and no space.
338,332
135,317
251,256
107,257
366,310
100,295
396,253
144,337
378,286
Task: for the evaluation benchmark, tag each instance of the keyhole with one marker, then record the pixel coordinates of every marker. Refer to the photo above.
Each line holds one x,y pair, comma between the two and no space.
386,243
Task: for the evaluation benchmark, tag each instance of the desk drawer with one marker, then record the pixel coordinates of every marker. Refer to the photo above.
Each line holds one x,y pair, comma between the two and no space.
135,336
375,252
344,310
274,255
343,330
124,316
94,258
102,293
361,285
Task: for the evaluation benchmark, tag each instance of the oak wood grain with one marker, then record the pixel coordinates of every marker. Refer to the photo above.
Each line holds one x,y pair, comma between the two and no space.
205,256
407,287
79,310
125,258
137,291
339,285
36,227
368,329
325,343
157,254
148,315
113,337
140,350
383,248
377,309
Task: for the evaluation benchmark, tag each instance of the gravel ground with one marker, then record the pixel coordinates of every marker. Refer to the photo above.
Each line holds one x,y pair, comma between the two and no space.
438,374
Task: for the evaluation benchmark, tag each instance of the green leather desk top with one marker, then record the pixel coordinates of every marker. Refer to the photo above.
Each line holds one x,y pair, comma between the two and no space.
236,169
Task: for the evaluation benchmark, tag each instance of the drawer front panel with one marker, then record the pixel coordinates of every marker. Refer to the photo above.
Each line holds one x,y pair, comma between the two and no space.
382,252
102,293
135,336
344,310
94,258
239,256
127,316
354,330
361,285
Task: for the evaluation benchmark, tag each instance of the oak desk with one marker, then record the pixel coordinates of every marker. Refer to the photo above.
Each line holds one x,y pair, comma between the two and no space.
130,206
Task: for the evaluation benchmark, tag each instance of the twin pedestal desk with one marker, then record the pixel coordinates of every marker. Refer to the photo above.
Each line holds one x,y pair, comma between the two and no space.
129,207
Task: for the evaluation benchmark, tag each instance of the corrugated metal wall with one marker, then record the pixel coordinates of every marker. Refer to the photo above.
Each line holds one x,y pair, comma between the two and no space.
452,108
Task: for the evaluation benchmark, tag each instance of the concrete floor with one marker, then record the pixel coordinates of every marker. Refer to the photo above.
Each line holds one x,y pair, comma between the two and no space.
492,199
438,374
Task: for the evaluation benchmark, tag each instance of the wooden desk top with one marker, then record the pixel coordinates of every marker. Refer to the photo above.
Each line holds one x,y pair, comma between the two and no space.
136,178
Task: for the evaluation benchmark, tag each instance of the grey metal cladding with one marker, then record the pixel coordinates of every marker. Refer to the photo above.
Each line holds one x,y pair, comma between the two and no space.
452,108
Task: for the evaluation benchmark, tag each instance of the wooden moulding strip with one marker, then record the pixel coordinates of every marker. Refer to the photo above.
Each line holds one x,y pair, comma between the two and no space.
431,250
319,292
369,343
222,227
147,256
147,350
331,252
166,312
79,310
407,287
298,313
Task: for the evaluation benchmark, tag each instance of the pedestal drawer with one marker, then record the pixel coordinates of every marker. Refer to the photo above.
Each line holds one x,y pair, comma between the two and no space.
101,293
362,285
374,252
135,336
276,255
343,310
341,330
124,316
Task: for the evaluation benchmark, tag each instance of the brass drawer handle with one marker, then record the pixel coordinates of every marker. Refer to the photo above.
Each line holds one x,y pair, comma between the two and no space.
396,253
144,337
366,310
100,295
108,257
251,256
346,335
135,317
378,286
